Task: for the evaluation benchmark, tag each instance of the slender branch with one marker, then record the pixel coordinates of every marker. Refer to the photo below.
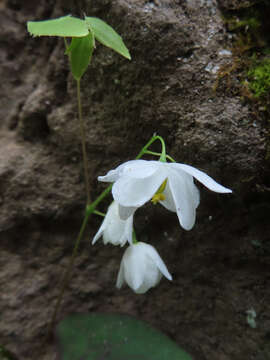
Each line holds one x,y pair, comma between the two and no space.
170,158
67,273
159,154
96,212
83,141
150,142
89,210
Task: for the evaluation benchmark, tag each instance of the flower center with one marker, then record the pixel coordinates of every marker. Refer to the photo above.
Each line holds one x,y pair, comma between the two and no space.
159,196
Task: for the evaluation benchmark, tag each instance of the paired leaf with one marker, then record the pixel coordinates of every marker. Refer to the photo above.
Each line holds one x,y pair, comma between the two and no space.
67,26
105,34
80,53
83,34
113,337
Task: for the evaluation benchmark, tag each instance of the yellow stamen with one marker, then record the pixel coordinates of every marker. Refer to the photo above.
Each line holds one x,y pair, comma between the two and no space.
159,196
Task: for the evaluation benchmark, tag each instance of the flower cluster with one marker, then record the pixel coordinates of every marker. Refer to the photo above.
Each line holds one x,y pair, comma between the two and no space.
134,183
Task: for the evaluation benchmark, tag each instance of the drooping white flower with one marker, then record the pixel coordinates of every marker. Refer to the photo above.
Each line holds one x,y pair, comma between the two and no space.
141,268
115,230
171,184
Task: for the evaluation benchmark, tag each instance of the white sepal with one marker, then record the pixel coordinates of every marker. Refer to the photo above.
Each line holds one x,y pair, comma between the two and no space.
141,268
113,229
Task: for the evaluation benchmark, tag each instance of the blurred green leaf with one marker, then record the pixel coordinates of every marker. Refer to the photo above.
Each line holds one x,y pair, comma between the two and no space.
68,26
113,337
80,52
5,354
105,34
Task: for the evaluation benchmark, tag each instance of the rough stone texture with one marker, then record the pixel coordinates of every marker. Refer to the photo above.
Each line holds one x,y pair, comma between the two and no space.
177,51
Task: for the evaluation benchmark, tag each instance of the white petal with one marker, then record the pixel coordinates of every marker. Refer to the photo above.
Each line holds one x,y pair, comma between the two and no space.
168,203
130,192
185,198
114,234
202,177
146,268
141,268
111,176
129,229
133,168
151,279
114,227
126,212
134,267
139,169
115,230
120,277
153,254
196,196
99,233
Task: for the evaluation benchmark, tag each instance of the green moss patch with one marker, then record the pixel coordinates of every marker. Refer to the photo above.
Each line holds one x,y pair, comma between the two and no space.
259,78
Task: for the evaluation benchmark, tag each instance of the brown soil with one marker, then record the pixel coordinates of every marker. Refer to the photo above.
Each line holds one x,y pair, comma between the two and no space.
221,267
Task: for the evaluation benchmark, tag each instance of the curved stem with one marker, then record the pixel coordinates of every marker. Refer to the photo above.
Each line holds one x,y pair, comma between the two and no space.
159,154
83,141
89,210
150,142
96,212
170,158
67,273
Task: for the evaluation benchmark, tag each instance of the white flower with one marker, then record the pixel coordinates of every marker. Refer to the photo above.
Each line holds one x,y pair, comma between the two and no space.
171,184
115,230
141,268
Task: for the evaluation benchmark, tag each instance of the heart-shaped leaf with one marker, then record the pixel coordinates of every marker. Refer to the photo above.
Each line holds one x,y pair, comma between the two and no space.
99,336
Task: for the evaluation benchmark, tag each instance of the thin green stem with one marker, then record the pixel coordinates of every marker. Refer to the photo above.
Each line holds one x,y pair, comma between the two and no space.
83,141
159,154
67,273
89,210
152,153
170,158
96,212
150,142
66,43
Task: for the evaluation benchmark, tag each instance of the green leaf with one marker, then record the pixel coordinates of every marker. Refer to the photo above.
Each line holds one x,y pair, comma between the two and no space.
68,26
113,337
80,52
107,36
5,354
